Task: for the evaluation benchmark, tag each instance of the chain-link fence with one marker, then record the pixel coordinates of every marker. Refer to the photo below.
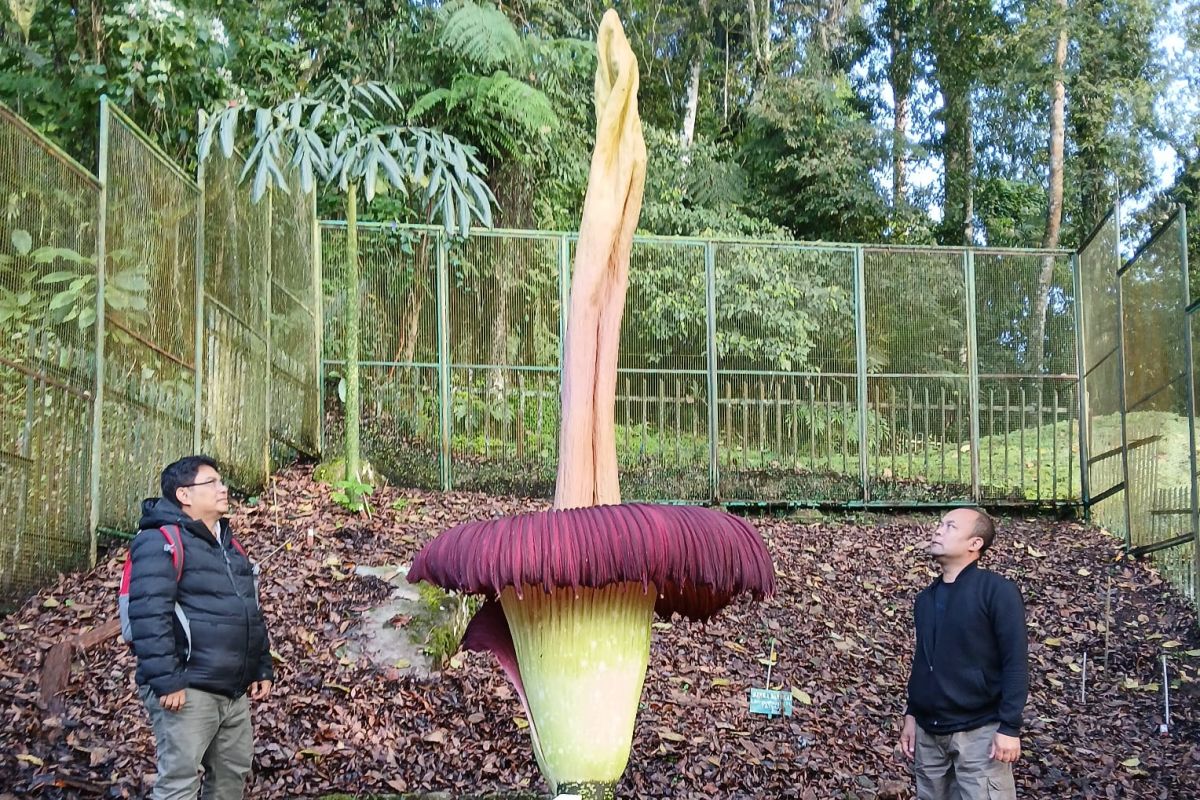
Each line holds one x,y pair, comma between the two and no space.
137,328
152,234
749,371
49,240
1139,382
1100,346
1159,435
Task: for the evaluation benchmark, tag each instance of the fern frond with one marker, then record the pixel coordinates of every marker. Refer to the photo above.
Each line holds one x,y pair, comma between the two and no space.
483,36
511,101
428,101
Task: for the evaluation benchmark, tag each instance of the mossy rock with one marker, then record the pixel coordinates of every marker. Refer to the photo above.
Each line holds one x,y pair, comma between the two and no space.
334,470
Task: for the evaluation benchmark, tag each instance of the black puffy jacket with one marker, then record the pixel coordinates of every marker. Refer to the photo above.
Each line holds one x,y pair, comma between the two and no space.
217,641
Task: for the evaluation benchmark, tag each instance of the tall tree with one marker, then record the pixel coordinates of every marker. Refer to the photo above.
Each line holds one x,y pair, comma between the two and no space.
955,67
1112,87
897,21
1054,187
701,29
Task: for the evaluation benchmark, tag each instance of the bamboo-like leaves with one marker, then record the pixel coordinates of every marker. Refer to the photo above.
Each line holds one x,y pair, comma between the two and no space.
340,135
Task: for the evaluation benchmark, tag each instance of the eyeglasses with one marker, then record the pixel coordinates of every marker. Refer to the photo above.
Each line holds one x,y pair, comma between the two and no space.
208,482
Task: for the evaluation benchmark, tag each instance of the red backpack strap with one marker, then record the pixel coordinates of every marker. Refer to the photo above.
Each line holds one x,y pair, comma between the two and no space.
238,546
174,537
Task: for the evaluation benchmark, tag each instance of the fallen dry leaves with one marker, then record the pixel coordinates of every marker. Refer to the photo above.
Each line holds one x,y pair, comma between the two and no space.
841,621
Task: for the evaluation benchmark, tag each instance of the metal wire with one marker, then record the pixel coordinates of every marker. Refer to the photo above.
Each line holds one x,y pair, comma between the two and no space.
1157,400
48,243
948,418
169,384
1101,374
149,415
295,309
237,240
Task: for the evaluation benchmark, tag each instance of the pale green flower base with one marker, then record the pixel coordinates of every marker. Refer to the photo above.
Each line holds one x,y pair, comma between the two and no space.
582,656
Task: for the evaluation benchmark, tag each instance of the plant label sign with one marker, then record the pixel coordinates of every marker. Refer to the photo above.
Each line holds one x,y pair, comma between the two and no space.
770,702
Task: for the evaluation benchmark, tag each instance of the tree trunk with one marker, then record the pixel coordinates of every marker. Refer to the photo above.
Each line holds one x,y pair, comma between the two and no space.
410,317
956,73
959,159
900,152
1054,196
353,311
687,132
700,39
900,76
760,14
1092,108
498,349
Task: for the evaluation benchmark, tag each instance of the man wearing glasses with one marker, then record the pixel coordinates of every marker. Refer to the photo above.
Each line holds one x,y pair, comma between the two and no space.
198,634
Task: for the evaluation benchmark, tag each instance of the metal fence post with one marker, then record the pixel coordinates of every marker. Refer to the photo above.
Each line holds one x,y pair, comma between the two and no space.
1191,400
445,418
1127,490
564,298
1081,382
860,339
710,315
973,372
98,393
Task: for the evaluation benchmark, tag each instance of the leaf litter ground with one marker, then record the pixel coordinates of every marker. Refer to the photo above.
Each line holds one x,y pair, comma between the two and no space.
841,623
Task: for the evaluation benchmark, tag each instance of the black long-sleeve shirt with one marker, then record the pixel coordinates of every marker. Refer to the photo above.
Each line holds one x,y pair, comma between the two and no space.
971,667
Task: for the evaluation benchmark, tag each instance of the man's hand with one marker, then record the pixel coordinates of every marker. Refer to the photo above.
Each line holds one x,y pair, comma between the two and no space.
174,701
908,736
260,690
1005,748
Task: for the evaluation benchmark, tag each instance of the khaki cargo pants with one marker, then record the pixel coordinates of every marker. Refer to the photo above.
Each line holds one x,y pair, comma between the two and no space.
210,732
957,767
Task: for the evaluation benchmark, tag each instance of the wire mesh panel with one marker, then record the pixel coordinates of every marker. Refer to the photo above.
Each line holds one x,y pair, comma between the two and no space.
1190,553
1028,405
236,251
153,214
1101,374
918,390
48,242
786,374
662,386
504,354
398,300
1157,403
295,295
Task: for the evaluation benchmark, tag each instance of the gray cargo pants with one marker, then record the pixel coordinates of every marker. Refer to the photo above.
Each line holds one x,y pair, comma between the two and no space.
210,732
957,767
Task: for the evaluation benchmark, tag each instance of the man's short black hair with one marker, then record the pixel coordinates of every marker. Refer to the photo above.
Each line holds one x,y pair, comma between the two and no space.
985,528
181,473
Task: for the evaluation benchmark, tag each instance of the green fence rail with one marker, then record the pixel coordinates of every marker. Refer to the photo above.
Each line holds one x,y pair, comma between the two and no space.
144,315
750,372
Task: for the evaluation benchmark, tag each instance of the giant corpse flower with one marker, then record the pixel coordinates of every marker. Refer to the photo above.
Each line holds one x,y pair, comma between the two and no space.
577,590
571,592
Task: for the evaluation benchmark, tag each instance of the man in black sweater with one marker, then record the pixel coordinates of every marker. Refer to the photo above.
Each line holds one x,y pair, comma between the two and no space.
199,636
970,672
